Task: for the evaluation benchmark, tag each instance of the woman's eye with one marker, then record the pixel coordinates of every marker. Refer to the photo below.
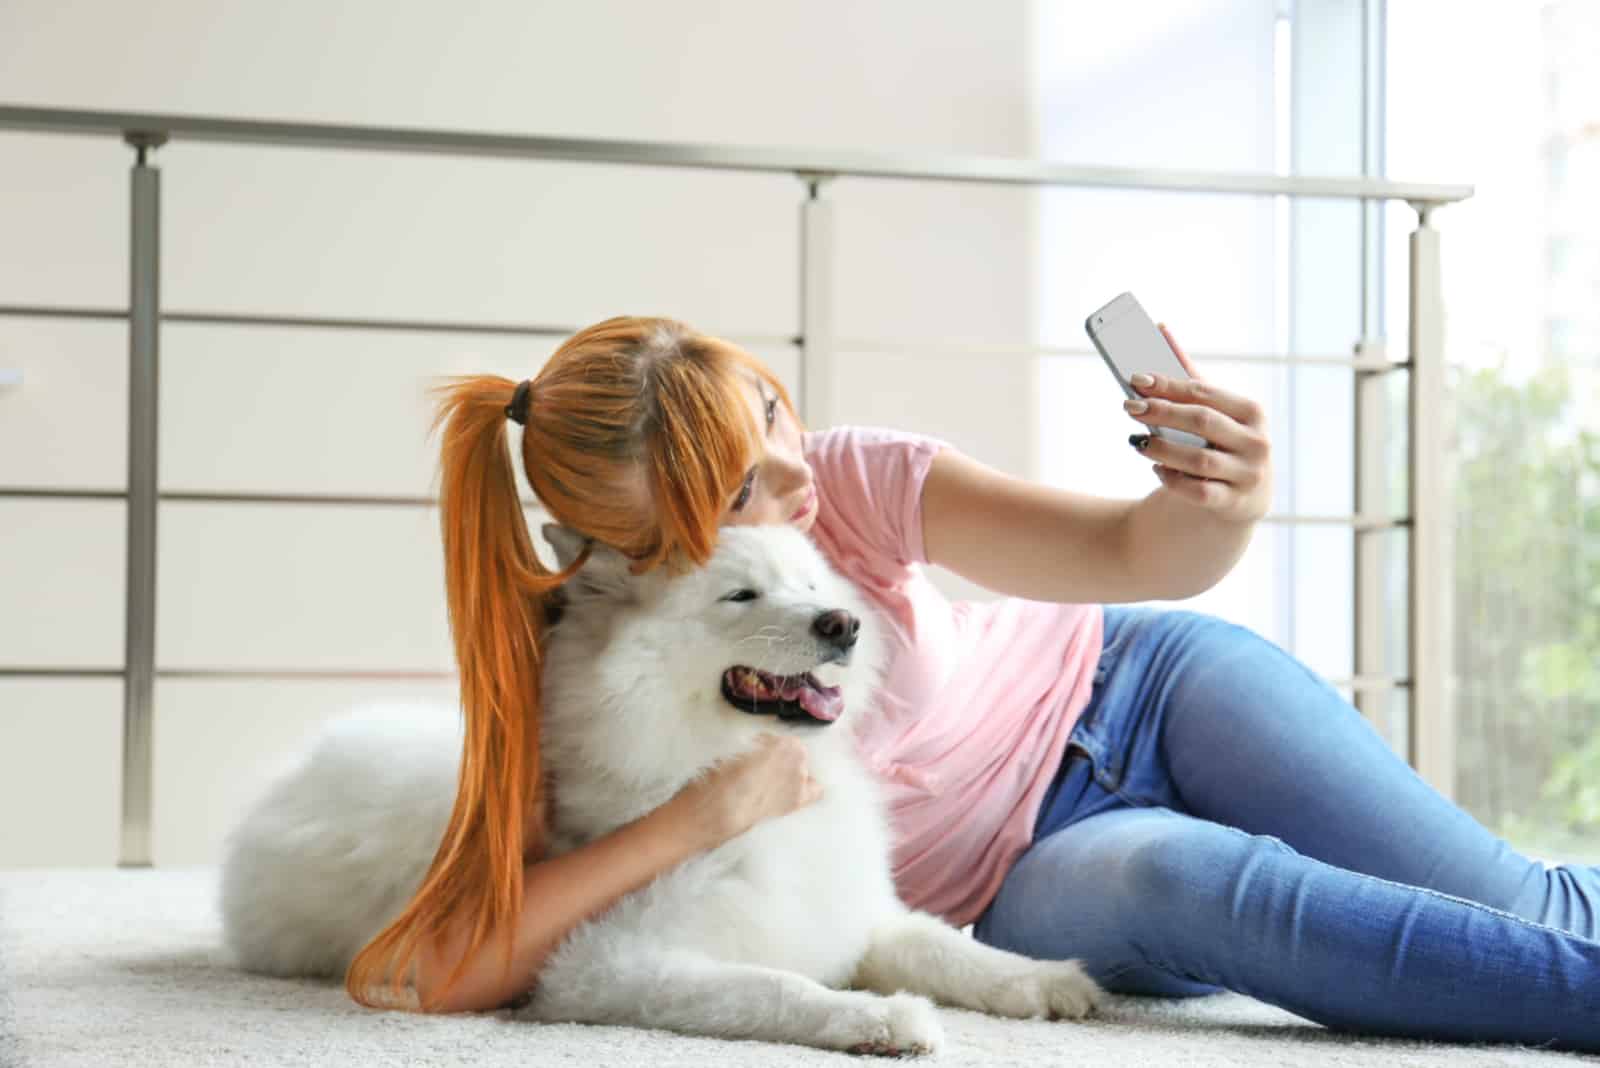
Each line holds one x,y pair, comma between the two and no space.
772,412
742,595
744,495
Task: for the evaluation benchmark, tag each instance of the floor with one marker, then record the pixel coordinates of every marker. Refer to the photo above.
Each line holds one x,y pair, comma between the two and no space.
126,968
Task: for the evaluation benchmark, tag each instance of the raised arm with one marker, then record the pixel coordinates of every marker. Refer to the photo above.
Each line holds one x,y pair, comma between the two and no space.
561,892
1029,540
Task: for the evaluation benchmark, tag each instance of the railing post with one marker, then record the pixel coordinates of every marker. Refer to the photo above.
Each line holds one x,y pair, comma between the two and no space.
1372,613
1430,611
144,362
817,377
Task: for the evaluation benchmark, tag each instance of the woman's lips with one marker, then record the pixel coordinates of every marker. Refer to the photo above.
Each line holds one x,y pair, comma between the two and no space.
811,502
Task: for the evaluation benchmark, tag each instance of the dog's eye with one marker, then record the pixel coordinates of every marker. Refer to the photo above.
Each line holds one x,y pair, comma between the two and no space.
742,595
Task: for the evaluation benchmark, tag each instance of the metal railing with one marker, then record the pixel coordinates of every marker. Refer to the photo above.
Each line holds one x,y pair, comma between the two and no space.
1430,749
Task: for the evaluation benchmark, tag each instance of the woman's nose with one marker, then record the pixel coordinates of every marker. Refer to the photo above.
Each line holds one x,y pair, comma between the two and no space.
788,473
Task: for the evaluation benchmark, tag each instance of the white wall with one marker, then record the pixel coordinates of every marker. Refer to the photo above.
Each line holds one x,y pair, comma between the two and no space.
321,411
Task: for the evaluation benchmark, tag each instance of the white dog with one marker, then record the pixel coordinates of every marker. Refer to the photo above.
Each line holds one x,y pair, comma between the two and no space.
788,933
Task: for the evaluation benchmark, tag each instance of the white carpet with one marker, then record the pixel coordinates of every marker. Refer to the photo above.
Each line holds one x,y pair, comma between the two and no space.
125,968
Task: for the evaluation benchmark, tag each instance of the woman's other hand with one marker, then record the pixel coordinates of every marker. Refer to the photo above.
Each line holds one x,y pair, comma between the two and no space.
560,892
771,780
1233,478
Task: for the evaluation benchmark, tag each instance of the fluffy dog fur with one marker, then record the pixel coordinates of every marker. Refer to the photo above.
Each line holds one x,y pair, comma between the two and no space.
790,932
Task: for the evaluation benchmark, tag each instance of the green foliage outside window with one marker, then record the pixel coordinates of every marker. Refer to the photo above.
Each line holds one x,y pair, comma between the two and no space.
1527,585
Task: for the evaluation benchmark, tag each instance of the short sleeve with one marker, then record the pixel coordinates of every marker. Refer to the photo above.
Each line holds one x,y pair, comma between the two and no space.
869,492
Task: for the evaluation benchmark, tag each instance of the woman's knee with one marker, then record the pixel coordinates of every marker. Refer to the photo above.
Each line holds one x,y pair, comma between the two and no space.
1119,871
1179,878
1126,893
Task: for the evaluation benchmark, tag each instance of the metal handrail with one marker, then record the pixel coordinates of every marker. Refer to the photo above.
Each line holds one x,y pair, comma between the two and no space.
1356,683
843,344
159,127
329,322
1358,522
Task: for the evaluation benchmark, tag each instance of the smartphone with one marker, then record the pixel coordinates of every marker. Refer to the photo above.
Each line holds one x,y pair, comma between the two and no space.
1129,343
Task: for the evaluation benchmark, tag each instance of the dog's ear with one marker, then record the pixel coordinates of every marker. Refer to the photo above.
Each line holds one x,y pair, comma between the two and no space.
605,574
567,543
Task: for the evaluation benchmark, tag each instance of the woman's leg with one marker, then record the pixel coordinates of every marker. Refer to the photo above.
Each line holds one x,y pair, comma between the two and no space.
1154,901
1250,738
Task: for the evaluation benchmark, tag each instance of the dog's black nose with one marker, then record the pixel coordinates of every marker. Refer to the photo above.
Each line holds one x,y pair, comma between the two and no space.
837,628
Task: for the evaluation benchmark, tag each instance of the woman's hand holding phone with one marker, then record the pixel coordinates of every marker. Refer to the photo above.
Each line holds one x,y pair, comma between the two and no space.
1233,478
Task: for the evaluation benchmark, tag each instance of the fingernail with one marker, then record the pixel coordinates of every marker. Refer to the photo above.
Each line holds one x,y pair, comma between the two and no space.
1139,441
1135,406
1142,379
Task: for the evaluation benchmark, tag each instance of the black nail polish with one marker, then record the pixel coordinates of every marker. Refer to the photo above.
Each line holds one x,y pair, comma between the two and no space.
1139,441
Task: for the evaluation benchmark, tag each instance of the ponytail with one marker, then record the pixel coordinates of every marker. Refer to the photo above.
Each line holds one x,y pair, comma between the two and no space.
497,591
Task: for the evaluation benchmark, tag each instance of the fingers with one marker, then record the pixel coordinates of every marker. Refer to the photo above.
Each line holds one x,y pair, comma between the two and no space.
1197,392
1178,352
785,751
767,741
1191,460
1232,476
793,763
1204,492
810,791
1220,429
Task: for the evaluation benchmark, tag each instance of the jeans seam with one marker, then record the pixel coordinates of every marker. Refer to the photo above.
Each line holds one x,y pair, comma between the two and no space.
1150,961
1285,847
1176,973
1478,905
1131,802
1123,969
1111,778
1131,623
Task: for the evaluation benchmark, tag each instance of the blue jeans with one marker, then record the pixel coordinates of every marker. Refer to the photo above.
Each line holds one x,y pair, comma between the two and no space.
1223,819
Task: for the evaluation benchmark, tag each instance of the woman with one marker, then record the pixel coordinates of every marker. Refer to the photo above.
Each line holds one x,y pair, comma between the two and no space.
1166,796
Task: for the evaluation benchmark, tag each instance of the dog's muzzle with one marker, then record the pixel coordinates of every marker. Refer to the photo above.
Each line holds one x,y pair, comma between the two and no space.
798,699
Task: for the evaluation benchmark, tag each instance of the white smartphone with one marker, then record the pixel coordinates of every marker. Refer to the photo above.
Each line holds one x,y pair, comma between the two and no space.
1129,343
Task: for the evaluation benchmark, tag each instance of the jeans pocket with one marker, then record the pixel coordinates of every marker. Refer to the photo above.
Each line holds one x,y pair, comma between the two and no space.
1111,719
1089,741
1121,623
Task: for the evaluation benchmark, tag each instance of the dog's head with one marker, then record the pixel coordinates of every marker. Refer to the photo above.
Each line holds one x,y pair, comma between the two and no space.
765,636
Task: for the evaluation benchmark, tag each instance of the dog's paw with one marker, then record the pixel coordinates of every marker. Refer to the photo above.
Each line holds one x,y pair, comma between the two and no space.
907,1026
1059,990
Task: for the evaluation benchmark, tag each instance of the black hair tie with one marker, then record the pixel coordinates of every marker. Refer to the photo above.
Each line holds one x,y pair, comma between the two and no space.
517,410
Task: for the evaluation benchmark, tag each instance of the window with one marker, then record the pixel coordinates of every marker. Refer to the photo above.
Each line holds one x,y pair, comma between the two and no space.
1521,285
1259,86
1206,86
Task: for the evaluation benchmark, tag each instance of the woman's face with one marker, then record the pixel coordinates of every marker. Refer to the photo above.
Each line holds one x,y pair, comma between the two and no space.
778,488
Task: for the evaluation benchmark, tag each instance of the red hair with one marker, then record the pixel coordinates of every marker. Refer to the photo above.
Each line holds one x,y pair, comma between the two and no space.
638,433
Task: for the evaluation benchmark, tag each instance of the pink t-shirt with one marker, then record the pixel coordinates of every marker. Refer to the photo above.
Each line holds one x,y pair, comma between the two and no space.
978,698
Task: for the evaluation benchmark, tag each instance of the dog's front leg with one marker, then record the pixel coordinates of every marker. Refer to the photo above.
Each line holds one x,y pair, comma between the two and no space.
917,953
693,994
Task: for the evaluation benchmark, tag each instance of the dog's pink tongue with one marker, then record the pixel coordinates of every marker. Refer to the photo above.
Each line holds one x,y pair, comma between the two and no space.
821,702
